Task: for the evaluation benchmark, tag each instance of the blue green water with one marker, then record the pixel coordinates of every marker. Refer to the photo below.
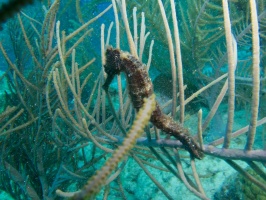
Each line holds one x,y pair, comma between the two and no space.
50,153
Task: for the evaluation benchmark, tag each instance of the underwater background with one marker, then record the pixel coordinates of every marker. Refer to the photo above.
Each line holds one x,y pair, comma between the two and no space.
57,127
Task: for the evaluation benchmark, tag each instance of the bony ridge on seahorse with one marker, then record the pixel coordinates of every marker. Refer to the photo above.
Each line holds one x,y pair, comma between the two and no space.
140,87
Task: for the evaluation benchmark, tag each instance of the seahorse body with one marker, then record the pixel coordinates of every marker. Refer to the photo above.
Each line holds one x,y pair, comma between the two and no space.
140,87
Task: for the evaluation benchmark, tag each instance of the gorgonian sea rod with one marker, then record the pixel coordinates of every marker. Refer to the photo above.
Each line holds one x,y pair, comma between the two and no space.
140,87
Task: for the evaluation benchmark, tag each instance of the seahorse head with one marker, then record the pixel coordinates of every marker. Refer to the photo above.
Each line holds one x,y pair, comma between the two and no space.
112,65
112,61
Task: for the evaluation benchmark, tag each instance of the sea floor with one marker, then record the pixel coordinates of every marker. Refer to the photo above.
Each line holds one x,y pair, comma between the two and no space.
213,173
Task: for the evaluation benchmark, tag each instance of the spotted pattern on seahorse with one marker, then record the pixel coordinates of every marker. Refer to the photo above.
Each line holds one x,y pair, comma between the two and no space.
140,87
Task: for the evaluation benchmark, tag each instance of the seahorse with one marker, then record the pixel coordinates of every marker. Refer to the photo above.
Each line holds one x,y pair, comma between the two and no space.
140,86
